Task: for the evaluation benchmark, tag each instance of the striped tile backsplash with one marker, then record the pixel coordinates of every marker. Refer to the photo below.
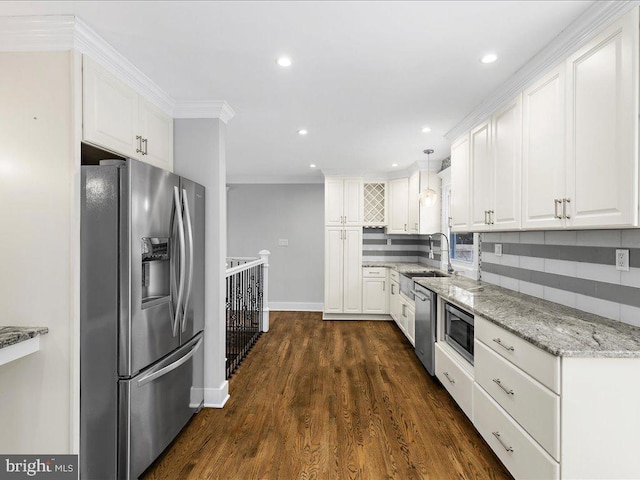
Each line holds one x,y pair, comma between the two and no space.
377,246
574,268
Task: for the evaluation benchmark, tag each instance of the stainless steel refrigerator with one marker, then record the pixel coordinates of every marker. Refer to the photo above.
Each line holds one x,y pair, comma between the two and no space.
142,314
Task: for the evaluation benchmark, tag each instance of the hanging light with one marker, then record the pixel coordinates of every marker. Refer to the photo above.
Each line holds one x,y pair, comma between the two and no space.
428,197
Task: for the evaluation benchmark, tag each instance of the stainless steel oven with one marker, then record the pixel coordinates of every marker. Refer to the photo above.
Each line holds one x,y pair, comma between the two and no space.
459,331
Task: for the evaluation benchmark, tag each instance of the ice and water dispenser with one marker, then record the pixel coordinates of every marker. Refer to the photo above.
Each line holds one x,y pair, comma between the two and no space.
156,271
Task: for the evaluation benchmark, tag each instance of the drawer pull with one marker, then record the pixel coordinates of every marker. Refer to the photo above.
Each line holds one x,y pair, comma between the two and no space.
499,342
497,435
497,382
446,374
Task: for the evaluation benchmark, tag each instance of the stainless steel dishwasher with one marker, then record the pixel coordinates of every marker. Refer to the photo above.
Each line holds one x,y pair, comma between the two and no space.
425,334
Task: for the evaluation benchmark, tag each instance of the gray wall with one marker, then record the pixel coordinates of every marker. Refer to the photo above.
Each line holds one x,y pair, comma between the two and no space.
259,215
574,268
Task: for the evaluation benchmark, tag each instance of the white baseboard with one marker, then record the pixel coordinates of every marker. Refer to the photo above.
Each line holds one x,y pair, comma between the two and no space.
356,316
216,397
296,306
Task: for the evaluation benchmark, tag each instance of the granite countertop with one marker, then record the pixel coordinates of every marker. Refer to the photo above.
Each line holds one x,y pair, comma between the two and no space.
12,335
401,267
560,330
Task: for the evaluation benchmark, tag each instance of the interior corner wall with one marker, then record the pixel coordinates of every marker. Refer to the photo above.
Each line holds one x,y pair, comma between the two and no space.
259,216
199,154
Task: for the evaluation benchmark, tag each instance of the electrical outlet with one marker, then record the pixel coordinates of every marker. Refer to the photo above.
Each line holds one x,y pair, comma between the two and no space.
283,242
497,249
622,259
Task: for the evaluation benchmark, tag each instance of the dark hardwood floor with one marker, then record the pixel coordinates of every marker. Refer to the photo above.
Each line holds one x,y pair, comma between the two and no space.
330,400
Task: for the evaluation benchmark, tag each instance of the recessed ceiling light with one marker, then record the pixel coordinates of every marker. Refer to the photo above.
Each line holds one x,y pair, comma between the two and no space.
302,131
489,58
313,165
394,164
283,61
426,129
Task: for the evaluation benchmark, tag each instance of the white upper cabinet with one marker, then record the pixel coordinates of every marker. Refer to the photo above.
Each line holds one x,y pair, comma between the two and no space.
343,201
543,150
110,111
602,128
117,118
156,129
398,206
506,127
481,176
413,199
460,185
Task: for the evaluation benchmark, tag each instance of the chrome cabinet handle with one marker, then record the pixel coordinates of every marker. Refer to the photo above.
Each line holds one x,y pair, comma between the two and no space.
497,435
450,220
403,310
189,229
144,142
564,207
491,212
486,222
392,292
506,390
506,347
405,227
384,286
417,227
139,146
556,202
446,374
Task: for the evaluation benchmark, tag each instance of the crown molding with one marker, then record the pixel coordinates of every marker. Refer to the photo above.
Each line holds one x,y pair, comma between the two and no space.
204,109
49,33
586,26
87,41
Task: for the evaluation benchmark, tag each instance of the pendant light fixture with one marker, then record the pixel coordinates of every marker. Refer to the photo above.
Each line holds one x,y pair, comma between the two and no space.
429,196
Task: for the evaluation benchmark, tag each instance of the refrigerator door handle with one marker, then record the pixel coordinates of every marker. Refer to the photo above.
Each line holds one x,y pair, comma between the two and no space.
150,377
189,229
183,262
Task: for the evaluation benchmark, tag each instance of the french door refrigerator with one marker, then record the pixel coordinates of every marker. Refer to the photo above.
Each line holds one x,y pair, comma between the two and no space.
142,314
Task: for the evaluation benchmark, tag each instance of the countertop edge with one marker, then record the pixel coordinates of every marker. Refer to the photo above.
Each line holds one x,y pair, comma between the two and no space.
12,335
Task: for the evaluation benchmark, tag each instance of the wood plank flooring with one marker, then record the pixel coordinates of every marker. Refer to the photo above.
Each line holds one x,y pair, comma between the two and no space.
330,400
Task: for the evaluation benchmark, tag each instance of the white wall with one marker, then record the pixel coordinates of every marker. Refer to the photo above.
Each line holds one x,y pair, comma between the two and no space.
259,216
199,154
38,183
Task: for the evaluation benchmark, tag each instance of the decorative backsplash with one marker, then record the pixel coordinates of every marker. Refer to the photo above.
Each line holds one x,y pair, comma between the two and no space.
377,246
574,268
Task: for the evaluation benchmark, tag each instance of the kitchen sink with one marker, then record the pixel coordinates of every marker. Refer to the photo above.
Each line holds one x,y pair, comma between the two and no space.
432,273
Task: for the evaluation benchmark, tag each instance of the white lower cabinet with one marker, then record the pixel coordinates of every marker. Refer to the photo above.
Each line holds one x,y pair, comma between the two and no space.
515,448
375,299
410,315
455,377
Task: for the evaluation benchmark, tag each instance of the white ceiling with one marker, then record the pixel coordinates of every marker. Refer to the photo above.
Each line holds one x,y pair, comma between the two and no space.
366,76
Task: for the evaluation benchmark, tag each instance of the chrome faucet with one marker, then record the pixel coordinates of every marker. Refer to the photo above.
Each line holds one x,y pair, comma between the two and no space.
449,267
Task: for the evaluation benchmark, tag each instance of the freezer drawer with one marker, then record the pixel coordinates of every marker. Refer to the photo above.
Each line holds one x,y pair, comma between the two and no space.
156,404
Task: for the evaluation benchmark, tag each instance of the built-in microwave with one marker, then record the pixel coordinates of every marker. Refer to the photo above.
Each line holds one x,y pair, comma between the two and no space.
458,331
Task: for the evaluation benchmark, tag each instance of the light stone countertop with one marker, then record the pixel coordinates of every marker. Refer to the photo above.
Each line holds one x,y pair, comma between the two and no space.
12,335
560,330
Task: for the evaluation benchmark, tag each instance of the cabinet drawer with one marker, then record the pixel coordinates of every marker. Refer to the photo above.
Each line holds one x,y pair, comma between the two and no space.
531,404
457,381
375,272
541,365
394,275
522,456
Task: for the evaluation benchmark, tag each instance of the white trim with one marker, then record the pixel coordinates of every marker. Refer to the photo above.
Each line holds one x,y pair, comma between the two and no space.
216,397
595,18
19,350
204,109
357,316
90,43
296,306
274,179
